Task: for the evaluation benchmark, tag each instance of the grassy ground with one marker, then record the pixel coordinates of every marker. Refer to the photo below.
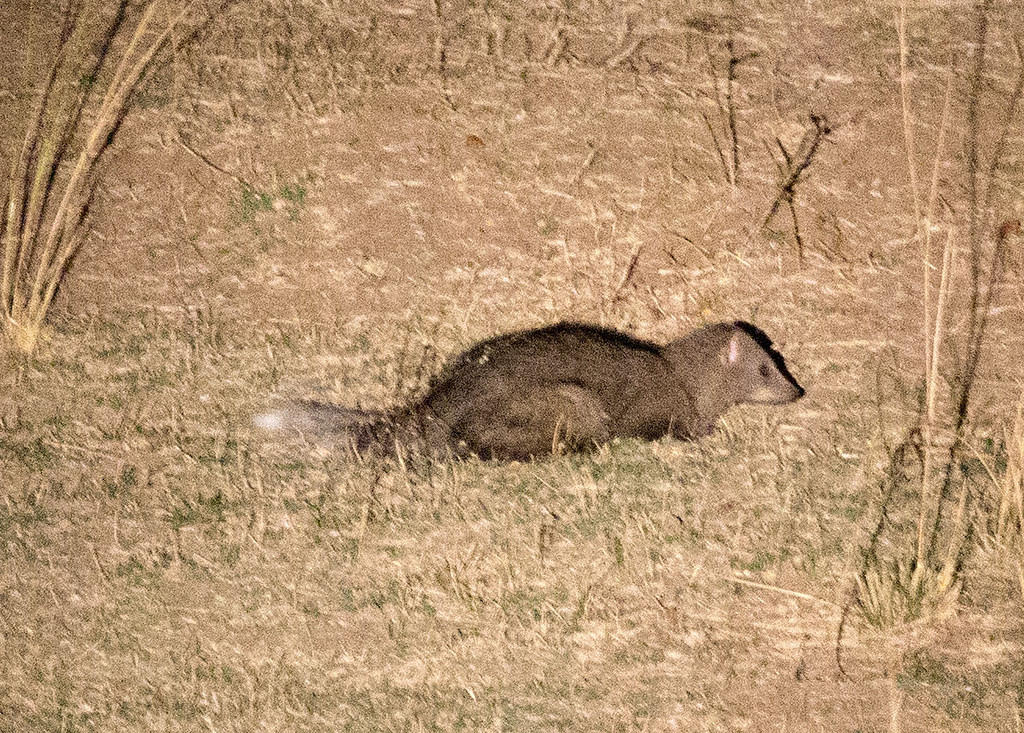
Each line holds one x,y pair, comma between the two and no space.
368,206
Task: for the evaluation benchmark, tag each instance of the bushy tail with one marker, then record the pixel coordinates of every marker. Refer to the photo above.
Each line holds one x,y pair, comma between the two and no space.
363,429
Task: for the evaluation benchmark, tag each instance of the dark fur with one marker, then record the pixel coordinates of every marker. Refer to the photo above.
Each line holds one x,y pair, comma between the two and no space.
568,387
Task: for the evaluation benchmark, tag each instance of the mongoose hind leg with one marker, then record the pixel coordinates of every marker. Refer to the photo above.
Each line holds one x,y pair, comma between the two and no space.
548,418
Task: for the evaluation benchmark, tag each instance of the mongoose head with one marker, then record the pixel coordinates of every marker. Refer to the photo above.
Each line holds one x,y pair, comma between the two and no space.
754,370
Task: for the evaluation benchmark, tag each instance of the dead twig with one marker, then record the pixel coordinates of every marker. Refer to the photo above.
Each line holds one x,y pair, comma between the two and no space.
627,275
213,166
730,105
718,146
791,170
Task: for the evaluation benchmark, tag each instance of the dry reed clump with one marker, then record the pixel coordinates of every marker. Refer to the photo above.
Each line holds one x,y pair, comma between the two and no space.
928,576
53,178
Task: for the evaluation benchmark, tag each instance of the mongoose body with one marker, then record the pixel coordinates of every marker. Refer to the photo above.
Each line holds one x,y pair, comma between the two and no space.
568,386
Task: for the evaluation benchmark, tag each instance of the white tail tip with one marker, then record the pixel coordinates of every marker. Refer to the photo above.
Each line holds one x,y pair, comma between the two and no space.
273,420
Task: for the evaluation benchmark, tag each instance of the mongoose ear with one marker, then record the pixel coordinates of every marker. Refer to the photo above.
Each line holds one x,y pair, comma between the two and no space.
731,352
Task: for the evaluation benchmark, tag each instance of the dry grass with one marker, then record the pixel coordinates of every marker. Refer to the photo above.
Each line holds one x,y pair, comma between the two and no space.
357,186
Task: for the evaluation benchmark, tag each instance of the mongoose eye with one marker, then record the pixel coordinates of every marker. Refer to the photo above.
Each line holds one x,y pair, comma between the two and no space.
764,371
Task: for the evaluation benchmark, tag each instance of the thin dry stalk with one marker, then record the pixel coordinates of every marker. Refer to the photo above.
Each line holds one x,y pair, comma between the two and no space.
980,298
718,146
972,153
627,274
908,117
439,40
791,205
730,104
932,339
933,346
929,217
1010,515
936,338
